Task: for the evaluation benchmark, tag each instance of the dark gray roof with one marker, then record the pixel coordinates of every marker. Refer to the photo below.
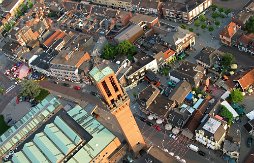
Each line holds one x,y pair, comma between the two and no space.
204,55
177,118
182,5
178,94
44,59
147,158
141,59
230,146
190,72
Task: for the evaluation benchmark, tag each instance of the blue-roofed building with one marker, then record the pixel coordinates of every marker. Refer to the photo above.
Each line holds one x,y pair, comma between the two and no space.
189,96
48,133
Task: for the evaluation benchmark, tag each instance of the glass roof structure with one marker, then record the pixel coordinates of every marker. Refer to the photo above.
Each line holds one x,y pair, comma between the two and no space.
73,136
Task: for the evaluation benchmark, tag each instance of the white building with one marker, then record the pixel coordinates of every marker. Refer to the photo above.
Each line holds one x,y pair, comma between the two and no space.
211,132
137,70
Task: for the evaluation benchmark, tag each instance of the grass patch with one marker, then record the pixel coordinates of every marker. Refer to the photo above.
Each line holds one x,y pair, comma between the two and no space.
43,93
4,127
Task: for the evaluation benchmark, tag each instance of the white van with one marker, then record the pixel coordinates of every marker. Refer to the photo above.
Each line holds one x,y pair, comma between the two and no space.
193,147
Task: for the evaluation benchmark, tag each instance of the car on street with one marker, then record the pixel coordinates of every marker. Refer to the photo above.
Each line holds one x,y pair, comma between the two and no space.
56,82
201,153
66,84
149,123
95,94
157,127
249,142
142,119
77,87
7,72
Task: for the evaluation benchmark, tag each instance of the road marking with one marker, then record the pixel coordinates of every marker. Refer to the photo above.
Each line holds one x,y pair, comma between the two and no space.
10,88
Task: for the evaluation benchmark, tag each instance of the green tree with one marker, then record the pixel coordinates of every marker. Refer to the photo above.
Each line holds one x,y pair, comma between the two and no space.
30,88
215,15
227,11
4,127
109,51
30,4
217,23
203,26
7,26
227,60
222,15
197,23
43,94
250,25
126,48
226,114
24,7
202,18
1,91
18,13
236,96
221,9
191,29
165,71
210,28
183,26
214,7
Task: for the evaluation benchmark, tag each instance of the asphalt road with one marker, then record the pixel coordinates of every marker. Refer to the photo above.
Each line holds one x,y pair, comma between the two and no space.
6,83
72,93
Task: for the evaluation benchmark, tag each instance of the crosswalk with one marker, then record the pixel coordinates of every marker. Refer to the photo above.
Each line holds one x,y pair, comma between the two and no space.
9,89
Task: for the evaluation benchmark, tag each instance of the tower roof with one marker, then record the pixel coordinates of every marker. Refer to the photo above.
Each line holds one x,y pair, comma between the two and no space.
97,74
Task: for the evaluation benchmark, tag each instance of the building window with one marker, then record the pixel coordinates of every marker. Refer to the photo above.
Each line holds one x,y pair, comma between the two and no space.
104,84
113,83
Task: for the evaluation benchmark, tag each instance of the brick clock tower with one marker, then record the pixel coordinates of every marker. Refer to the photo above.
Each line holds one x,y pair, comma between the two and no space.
118,103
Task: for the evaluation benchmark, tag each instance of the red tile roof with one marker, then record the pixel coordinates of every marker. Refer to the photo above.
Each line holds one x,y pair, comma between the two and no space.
246,39
169,53
56,35
247,79
229,30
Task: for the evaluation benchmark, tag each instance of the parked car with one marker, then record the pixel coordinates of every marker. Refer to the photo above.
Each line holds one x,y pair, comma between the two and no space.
95,94
201,153
66,85
249,142
149,123
157,127
56,82
142,119
77,87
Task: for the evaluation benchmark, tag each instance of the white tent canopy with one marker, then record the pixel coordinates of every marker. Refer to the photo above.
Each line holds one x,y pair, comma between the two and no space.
175,131
150,117
159,121
168,126
250,115
234,66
